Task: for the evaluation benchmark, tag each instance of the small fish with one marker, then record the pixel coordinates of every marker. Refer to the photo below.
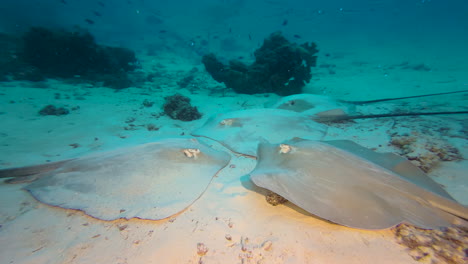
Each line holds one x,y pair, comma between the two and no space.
285,22
89,21
215,37
162,31
63,2
297,36
101,4
230,30
250,37
96,13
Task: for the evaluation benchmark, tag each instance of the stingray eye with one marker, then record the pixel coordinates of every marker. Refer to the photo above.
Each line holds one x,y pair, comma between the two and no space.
292,102
226,122
284,148
191,153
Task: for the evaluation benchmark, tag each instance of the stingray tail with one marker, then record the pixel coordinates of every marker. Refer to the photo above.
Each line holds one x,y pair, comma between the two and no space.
399,98
337,118
26,174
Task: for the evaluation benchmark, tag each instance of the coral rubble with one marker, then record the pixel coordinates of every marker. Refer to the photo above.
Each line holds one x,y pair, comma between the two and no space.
425,152
53,110
449,245
178,107
274,198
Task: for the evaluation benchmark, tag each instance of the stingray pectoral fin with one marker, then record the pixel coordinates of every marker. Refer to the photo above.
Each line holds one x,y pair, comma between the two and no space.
401,166
449,206
25,172
413,174
22,179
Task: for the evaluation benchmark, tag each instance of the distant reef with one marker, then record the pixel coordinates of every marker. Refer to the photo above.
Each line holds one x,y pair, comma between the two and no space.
43,53
280,67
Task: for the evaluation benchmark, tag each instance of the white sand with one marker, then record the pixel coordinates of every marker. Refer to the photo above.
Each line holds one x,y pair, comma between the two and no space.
232,219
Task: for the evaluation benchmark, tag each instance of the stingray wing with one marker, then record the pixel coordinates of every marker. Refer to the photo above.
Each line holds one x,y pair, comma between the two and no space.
150,181
344,188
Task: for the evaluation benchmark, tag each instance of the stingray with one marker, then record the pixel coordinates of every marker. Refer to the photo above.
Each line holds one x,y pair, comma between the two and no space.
150,181
313,103
241,131
326,109
350,185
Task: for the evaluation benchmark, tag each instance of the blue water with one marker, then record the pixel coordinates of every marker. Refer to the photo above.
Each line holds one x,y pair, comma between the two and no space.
133,21
380,32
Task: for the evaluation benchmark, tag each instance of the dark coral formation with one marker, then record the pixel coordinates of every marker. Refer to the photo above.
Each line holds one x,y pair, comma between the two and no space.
10,63
280,67
53,110
178,107
42,53
67,54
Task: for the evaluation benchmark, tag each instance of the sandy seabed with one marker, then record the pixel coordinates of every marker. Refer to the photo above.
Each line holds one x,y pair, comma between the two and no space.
231,222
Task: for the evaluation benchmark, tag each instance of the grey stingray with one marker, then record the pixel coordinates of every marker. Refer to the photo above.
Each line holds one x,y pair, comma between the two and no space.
240,131
312,104
326,109
149,181
350,185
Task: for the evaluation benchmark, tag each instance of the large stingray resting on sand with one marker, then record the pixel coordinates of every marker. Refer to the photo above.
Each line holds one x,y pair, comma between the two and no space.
326,109
350,185
150,181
